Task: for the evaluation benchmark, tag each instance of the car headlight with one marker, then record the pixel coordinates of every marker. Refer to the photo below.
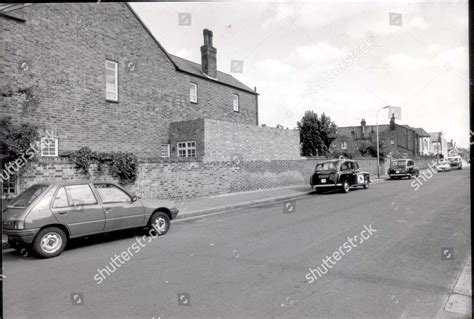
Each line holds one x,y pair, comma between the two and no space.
18,224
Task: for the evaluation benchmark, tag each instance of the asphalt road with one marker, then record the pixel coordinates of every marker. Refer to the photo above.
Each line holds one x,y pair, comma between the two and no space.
253,262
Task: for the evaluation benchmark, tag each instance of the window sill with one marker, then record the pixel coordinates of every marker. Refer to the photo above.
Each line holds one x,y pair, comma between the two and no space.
112,101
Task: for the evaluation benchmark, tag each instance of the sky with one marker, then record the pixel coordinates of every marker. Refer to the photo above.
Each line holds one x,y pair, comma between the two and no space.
346,59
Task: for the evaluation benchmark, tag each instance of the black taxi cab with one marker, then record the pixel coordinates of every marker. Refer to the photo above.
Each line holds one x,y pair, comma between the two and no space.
342,173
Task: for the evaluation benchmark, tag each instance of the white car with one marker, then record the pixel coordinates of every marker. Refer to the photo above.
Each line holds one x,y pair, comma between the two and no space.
443,166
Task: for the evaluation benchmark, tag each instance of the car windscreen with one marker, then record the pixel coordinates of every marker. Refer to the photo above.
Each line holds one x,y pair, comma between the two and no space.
28,196
398,164
330,166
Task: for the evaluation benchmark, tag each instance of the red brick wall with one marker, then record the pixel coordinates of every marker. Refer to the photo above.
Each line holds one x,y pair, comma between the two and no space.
66,45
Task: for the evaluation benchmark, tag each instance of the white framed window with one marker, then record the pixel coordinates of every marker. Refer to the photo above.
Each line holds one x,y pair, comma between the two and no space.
392,142
186,149
193,92
10,186
111,80
235,103
165,150
343,145
49,147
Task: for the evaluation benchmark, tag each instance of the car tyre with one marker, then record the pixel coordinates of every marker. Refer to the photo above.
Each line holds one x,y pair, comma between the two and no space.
366,183
50,242
318,191
346,187
162,221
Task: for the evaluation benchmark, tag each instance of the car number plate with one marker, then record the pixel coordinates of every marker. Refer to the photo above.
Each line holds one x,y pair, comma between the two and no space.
323,180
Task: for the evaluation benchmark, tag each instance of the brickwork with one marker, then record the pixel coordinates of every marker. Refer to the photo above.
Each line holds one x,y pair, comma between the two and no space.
171,179
252,143
65,47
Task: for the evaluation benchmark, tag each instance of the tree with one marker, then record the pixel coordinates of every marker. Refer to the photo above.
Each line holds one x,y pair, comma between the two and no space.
316,134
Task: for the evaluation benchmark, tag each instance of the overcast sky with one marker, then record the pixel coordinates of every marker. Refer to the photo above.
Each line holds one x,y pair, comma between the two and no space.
289,48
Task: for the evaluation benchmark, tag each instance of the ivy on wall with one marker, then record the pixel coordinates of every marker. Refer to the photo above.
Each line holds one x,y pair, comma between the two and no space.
124,165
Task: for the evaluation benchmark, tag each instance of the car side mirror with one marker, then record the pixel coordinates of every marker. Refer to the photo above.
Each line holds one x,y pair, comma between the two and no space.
134,198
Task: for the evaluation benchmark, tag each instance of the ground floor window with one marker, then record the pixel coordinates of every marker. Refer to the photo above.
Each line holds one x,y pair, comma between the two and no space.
165,150
187,149
10,186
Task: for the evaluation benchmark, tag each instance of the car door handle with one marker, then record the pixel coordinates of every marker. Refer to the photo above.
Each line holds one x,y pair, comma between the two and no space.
62,213
108,210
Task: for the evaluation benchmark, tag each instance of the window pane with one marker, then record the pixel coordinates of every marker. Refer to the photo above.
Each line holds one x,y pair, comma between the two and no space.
110,64
111,194
61,199
80,195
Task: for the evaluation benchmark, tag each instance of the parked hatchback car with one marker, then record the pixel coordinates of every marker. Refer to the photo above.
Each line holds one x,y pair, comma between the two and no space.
343,174
45,216
455,162
405,167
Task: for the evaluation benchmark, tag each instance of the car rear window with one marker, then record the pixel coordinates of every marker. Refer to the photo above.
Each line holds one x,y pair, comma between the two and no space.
325,166
398,163
28,196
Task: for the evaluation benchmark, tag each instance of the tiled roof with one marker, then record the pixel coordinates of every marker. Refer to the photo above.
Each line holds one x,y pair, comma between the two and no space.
421,131
195,69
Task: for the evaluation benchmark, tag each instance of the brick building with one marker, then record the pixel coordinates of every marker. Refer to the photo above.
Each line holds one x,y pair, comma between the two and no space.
102,80
396,139
93,75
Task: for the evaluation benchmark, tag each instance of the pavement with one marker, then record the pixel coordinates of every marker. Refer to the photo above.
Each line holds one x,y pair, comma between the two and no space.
254,262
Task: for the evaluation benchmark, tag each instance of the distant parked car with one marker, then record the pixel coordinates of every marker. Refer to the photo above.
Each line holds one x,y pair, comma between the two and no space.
443,166
45,216
405,167
455,162
343,174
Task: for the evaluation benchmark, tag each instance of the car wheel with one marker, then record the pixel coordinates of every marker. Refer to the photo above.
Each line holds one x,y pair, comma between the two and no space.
50,242
318,190
366,183
159,224
346,187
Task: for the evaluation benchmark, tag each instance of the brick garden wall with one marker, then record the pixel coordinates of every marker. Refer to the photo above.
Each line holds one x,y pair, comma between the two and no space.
174,180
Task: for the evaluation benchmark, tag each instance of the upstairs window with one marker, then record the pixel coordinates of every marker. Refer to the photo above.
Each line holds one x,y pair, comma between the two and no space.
49,147
343,145
187,149
392,142
111,80
235,103
193,92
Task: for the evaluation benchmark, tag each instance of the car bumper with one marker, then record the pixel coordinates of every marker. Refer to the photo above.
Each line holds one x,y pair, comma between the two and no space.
326,185
398,175
24,235
174,212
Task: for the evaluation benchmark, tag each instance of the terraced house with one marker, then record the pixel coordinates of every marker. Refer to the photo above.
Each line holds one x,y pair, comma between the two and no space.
96,77
395,138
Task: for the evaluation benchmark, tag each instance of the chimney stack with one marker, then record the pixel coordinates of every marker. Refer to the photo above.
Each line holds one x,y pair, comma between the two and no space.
208,55
362,124
392,122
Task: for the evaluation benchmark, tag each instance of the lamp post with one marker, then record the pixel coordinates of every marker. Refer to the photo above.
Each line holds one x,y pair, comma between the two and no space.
377,134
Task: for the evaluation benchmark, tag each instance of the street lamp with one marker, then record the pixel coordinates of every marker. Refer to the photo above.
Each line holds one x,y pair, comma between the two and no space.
377,134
